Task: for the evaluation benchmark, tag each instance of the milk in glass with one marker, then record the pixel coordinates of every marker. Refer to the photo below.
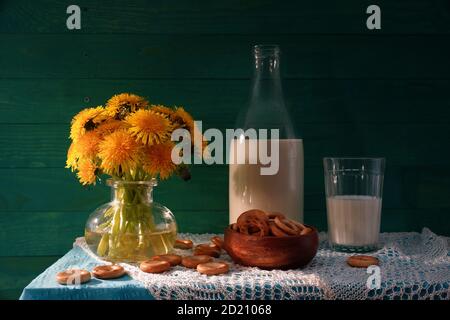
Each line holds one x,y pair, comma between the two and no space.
354,220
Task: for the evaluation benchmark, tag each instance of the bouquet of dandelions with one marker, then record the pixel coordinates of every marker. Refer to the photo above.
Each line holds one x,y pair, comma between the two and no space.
130,140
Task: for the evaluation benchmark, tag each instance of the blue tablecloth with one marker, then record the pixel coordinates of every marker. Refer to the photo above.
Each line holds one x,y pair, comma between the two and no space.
45,287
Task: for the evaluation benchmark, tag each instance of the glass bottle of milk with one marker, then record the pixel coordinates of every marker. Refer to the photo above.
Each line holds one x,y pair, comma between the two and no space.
266,156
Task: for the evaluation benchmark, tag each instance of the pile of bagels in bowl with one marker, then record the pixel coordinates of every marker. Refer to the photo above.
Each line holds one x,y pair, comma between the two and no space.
262,224
270,241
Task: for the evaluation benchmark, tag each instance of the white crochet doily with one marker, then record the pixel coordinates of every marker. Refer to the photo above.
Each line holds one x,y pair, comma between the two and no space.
412,266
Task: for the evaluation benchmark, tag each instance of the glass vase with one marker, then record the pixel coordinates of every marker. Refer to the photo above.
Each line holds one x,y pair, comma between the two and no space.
280,190
131,227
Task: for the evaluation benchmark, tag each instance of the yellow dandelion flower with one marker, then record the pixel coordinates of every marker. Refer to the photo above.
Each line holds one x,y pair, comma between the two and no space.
121,105
149,127
119,153
72,157
185,118
157,159
166,111
87,145
110,126
87,172
86,120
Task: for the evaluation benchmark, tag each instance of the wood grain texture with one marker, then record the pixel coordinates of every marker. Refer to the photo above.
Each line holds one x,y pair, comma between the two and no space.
226,17
221,56
331,101
63,193
17,272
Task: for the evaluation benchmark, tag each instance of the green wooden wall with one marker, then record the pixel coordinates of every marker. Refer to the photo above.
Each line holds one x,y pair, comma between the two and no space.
352,92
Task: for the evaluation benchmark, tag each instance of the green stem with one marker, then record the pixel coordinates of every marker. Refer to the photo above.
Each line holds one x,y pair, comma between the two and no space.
129,223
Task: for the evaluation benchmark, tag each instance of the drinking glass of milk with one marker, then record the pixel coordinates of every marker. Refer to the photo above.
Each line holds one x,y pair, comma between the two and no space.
354,188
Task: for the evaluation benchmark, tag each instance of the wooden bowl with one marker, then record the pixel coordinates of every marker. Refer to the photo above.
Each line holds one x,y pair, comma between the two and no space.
271,252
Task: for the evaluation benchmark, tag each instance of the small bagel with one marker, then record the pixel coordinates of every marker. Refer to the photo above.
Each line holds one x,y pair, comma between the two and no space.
273,215
213,268
218,241
193,261
108,271
253,229
73,276
362,261
183,244
207,249
253,215
255,226
154,266
243,229
301,226
277,232
305,230
173,259
287,226
234,227
211,245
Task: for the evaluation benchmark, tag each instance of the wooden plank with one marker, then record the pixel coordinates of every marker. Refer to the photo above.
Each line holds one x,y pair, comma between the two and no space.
52,233
55,190
221,56
17,272
217,102
40,233
21,190
40,145
233,16
10,294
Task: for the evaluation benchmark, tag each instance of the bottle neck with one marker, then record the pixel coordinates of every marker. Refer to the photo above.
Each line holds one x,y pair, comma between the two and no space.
267,66
132,193
267,87
267,109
